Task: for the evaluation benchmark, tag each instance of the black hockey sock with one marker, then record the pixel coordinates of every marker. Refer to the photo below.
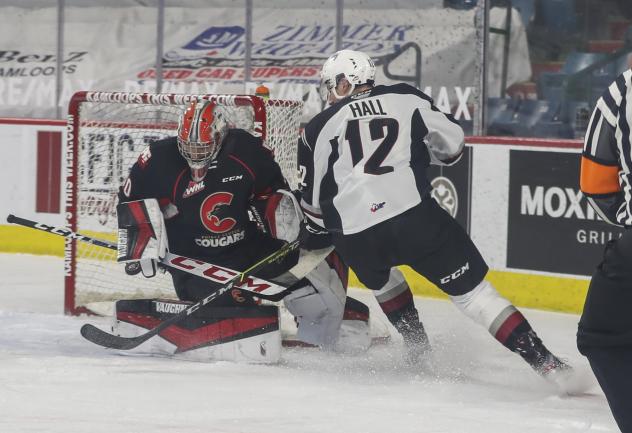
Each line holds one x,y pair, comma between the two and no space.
406,320
524,341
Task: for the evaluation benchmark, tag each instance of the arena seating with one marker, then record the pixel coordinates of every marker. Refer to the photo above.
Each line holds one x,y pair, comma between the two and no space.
570,75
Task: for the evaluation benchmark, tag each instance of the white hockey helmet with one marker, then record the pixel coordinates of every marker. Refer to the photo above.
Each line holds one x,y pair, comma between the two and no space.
356,66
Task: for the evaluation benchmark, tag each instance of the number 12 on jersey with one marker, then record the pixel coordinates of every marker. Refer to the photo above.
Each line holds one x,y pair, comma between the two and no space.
380,128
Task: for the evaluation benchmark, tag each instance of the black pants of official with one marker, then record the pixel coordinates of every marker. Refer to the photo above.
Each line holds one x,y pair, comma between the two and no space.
426,238
604,333
613,369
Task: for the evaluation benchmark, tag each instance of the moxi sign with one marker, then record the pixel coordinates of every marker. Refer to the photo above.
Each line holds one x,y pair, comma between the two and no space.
554,201
551,226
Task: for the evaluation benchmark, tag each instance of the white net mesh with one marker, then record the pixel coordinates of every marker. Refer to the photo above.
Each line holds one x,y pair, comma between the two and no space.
111,136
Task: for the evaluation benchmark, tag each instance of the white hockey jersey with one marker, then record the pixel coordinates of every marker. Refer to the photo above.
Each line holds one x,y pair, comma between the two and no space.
364,159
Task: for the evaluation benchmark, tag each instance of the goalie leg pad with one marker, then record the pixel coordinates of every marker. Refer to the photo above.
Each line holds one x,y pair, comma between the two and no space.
319,317
319,306
355,330
241,334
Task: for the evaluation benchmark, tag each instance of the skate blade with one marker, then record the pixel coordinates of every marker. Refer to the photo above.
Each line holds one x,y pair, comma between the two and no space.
569,381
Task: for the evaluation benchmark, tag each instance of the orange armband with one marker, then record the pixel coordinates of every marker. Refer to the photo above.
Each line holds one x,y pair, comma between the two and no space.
596,178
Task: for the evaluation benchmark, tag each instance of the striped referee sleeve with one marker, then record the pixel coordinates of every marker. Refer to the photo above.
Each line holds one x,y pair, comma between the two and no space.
624,214
603,167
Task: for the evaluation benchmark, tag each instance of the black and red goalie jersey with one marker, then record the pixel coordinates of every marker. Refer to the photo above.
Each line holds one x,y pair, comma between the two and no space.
209,219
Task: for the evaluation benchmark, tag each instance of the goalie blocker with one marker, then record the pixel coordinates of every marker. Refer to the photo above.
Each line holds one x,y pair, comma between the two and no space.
142,236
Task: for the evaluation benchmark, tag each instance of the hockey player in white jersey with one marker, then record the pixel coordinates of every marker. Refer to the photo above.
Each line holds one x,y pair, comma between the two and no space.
364,188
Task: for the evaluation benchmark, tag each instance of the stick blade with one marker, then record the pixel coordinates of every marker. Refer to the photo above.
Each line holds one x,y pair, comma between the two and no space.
105,339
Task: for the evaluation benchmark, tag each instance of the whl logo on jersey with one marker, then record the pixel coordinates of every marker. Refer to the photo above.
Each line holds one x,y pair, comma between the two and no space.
193,188
377,206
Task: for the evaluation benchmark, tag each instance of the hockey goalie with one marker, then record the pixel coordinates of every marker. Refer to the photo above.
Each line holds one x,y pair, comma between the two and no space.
216,195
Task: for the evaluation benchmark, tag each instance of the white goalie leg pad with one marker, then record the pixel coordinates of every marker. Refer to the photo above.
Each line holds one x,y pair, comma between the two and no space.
258,349
484,305
355,331
354,336
319,308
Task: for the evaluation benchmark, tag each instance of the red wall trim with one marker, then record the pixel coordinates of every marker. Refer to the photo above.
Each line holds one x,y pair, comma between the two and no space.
513,141
43,122
519,141
48,190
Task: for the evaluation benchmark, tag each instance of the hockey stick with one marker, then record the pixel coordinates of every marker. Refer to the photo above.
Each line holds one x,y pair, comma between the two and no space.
102,338
263,289
59,231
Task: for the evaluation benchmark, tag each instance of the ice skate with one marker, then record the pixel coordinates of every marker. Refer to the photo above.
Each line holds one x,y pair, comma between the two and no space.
417,346
553,369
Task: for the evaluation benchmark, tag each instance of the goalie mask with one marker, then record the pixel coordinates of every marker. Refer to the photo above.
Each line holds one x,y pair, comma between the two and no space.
356,66
201,130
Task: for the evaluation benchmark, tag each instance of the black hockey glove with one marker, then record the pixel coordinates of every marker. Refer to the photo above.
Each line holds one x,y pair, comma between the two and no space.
312,237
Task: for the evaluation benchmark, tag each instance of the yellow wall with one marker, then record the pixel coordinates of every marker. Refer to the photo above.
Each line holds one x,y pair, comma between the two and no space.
524,290
15,239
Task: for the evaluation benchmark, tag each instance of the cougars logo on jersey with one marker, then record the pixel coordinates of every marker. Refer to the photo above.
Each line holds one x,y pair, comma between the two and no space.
211,209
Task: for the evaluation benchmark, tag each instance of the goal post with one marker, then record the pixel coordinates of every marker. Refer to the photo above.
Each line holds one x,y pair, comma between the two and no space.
106,132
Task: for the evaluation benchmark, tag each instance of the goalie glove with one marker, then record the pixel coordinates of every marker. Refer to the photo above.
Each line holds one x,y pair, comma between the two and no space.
313,237
142,236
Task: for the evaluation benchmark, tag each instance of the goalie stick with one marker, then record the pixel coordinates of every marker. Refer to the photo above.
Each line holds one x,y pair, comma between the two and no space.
243,280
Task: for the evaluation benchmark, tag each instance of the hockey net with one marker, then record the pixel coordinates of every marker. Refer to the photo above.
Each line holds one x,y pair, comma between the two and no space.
106,134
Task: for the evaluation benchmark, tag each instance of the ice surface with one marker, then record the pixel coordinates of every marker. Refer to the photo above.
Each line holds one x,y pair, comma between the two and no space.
51,380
